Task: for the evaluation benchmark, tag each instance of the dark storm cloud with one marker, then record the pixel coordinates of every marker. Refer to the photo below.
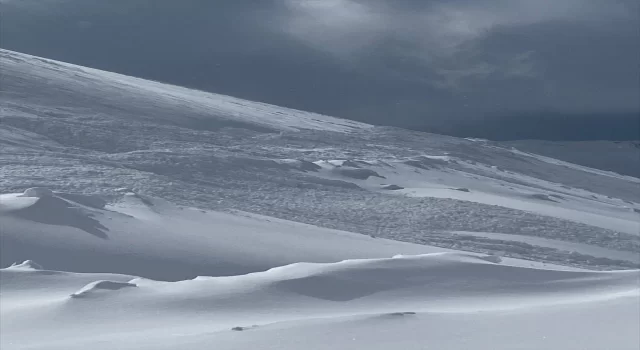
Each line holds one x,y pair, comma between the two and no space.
430,64
569,55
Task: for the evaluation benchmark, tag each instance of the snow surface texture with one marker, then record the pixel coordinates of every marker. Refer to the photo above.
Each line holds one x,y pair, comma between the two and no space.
150,237
439,301
92,132
101,175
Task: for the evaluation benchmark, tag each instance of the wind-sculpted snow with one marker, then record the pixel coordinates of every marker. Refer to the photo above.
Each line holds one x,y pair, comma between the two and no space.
451,298
26,265
122,97
94,288
49,209
145,236
93,133
286,217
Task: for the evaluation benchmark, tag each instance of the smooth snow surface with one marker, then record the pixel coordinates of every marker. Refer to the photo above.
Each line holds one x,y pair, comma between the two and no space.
308,232
144,99
102,134
443,300
150,237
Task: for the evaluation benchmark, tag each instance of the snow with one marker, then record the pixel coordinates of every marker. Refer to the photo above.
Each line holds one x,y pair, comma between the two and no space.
153,238
621,157
167,218
445,300
37,192
141,98
585,249
97,287
26,265
15,201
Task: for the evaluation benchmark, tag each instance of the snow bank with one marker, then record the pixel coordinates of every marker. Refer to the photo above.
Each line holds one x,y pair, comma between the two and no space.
98,287
150,237
38,192
26,265
448,300
50,209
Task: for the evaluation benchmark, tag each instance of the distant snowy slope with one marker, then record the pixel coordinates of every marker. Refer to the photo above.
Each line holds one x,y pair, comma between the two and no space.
136,100
139,215
622,157
83,131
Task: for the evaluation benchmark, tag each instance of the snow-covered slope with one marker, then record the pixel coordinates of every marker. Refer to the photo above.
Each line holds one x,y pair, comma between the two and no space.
150,237
622,157
443,300
79,130
129,187
130,99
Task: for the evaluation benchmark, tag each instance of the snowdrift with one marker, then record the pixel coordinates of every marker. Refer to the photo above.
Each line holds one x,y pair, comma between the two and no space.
285,304
149,237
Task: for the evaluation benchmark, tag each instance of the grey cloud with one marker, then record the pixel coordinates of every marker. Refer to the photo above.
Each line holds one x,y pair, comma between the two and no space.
444,34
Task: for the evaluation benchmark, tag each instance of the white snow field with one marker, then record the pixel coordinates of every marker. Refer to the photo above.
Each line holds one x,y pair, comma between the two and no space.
307,232
150,237
433,301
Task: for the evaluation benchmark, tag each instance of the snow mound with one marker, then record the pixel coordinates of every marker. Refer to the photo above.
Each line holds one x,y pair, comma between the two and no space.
133,99
405,294
99,287
26,265
439,275
11,202
38,192
50,209
153,238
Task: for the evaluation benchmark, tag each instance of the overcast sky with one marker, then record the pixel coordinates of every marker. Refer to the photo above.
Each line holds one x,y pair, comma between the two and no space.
496,68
